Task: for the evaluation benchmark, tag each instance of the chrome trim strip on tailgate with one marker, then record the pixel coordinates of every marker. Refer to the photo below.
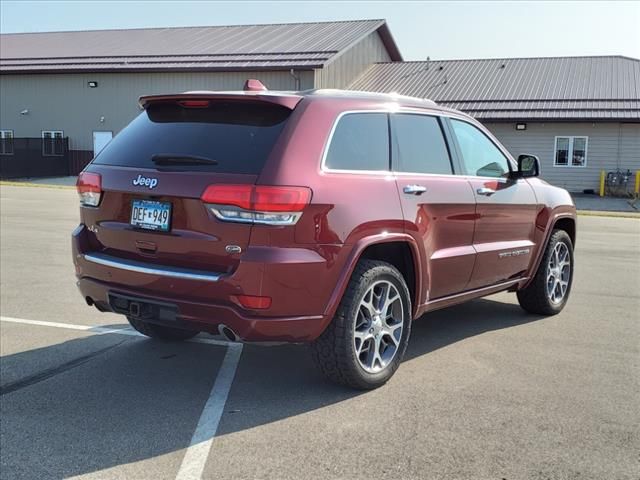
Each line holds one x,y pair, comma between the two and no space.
141,267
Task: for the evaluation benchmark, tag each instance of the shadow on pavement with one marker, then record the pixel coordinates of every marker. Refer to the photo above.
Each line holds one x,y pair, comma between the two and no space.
280,382
137,399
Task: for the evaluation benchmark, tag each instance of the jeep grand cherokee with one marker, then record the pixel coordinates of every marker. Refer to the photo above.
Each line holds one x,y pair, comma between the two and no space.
329,217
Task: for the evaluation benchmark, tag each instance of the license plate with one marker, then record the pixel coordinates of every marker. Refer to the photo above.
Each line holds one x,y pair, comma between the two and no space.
151,215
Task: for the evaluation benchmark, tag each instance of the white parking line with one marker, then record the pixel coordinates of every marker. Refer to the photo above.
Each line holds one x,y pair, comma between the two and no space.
195,457
104,330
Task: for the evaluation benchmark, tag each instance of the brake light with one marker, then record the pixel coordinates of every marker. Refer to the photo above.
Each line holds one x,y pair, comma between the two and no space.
89,186
280,199
194,103
271,205
236,195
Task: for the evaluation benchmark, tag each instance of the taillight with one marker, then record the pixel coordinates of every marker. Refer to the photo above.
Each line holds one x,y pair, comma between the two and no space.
280,199
271,205
232,195
89,187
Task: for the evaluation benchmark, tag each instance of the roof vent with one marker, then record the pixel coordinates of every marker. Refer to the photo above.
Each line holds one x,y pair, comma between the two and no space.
502,65
253,85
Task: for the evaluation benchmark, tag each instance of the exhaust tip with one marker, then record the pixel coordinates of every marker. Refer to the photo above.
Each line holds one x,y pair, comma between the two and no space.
228,333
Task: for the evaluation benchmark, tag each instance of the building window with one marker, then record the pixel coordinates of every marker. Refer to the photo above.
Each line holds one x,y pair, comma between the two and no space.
52,143
571,152
6,142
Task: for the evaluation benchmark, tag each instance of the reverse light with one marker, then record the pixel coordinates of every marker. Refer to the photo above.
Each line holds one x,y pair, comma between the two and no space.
269,205
89,186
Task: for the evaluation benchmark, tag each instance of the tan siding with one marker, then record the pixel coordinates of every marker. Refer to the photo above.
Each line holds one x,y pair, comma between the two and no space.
65,102
611,146
346,68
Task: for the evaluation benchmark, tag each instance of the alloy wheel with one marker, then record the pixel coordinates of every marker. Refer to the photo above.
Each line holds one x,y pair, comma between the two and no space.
378,326
558,273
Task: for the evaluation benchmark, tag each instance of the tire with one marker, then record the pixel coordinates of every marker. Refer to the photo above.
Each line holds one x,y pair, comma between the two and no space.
536,297
161,332
335,352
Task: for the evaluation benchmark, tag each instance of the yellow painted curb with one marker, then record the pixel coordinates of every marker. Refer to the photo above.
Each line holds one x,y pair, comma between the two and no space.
38,185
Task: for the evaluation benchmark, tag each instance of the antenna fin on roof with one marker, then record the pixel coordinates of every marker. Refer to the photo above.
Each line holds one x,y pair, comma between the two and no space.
253,85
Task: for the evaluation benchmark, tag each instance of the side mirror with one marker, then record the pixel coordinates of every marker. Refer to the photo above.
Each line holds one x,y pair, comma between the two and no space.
528,166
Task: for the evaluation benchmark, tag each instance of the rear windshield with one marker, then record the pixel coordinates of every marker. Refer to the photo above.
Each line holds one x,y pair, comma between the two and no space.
237,136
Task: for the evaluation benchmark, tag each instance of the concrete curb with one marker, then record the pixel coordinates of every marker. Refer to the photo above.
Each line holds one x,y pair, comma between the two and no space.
598,213
38,185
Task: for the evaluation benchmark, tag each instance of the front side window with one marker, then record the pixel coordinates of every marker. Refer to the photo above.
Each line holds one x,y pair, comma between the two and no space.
419,145
52,143
360,141
6,142
571,152
480,156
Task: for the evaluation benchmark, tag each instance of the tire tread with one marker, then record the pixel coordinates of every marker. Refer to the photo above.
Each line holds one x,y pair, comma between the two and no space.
533,298
329,351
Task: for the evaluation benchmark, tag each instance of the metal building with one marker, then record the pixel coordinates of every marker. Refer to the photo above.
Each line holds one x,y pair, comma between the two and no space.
63,94
580,115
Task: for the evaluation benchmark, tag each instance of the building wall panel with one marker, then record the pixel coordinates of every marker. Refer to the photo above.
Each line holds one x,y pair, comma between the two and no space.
65,101
348,66
630,146
610,146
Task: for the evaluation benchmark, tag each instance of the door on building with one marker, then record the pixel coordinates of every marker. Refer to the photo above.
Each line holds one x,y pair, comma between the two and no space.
506,208
100,140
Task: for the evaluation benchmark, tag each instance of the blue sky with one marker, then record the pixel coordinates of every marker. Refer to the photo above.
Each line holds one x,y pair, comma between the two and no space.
440,30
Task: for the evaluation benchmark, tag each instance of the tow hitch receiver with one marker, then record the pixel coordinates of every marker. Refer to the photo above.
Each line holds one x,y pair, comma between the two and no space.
142,308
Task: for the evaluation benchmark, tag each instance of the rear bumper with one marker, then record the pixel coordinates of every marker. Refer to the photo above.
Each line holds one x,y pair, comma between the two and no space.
203,299
207,316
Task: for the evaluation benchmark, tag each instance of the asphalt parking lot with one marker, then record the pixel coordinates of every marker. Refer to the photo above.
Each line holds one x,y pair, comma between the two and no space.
486,391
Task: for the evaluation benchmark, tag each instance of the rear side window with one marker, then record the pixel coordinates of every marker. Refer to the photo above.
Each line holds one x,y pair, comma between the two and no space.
419,145
360,142
239,136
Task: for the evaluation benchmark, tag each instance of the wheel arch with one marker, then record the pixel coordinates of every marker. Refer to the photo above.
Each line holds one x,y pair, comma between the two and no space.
561,221
568,224
400,250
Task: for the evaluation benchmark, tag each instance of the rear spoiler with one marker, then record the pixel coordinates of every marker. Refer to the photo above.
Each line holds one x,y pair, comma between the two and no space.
288,100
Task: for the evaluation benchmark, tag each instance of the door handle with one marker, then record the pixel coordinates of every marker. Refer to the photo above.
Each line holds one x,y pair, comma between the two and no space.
414,189
485,191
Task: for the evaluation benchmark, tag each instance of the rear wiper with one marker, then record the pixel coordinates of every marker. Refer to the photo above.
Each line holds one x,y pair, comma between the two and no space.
181,159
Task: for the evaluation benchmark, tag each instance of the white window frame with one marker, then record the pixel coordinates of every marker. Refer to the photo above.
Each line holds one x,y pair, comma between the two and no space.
570,151
52,136
4,136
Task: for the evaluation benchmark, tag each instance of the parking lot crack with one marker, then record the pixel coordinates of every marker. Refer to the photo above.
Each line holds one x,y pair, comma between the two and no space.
51,372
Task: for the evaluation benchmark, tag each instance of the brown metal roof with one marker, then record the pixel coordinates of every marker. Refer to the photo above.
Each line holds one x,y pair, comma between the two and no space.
282,46
605,87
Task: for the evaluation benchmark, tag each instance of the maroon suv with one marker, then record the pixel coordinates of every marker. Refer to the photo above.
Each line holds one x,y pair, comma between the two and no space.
328,217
